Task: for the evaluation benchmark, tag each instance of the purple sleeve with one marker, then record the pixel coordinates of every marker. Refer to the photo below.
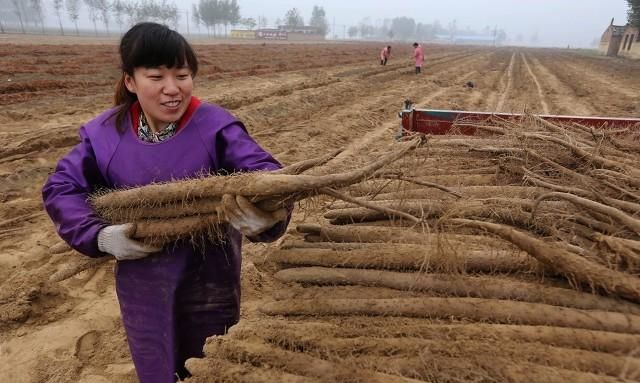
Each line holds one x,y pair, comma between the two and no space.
238,152
65,196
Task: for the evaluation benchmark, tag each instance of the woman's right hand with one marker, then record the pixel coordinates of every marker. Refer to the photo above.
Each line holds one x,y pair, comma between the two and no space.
246,217
114,240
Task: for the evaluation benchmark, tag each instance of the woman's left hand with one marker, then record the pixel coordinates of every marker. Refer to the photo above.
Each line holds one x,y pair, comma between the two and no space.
248,218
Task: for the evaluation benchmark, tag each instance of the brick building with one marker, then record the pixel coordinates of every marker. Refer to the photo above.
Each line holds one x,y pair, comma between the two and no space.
630,43
302,32
620,40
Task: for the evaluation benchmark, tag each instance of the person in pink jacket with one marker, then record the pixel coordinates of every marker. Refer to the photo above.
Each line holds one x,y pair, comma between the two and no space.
418,55
385,54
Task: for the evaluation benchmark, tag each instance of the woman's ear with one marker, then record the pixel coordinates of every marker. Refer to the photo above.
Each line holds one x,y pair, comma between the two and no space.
130,83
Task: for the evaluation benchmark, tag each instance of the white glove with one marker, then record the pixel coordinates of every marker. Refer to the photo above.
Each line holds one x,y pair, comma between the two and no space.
114,240
247,218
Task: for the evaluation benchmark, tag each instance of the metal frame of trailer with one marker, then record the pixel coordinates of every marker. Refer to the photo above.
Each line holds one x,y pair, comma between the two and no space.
437,122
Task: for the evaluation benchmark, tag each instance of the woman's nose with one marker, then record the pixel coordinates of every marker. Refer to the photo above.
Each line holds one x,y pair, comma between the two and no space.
170,86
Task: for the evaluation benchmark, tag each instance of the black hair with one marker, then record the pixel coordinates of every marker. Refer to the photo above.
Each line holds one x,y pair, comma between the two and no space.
149,45
415,44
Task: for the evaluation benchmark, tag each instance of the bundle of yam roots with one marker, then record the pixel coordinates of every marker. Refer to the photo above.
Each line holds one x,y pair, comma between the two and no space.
192,209
508,256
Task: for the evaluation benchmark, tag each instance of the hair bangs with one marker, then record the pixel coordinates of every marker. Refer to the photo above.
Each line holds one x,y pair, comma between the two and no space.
158,47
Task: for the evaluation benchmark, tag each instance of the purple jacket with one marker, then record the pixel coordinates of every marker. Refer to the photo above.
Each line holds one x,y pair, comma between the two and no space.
173,300
213,141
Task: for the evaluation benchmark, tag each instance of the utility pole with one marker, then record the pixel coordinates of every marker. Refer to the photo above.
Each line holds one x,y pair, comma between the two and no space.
333,28
187,21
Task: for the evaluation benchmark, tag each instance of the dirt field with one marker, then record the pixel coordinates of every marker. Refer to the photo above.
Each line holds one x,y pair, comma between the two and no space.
298,101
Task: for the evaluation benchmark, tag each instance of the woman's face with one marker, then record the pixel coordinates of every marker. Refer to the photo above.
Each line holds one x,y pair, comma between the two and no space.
164,93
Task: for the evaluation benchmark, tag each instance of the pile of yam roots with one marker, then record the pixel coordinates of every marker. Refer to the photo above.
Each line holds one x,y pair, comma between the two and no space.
511,255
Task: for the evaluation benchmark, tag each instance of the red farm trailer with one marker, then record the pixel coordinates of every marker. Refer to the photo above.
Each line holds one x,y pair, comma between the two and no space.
433,121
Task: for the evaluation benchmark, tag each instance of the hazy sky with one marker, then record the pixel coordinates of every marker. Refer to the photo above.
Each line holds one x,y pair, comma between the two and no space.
557,22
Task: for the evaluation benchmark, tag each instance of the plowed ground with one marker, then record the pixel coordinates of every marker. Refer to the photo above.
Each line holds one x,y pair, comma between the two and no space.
298,101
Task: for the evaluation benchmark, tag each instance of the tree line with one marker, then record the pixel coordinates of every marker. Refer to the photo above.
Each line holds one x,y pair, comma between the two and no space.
407,29
100,12
210,14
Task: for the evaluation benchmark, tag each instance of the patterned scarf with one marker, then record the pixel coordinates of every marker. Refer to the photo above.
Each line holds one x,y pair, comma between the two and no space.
146,134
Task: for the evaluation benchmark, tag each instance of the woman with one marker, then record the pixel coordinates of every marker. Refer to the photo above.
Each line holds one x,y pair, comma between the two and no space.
418,56
171,299
385,54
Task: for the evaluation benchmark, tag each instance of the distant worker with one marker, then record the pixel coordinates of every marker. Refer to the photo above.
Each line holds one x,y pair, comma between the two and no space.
418,55
385,54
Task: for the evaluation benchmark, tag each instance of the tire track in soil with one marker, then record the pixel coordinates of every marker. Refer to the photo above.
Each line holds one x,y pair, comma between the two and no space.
489,86
602,80
563,99
545,106
509,83
618,71
606,98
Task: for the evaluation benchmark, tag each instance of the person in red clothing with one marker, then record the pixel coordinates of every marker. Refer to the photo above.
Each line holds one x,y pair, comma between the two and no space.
385,54
418,55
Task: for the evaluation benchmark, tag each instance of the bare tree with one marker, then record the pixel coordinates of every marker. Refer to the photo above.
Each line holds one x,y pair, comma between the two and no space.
230,13
403,27
319,20
195,16
500,36
131,10
353,32
1,25
293,18
170,14
102,6
36,6
73,10
19,11
118,8
209,11
57,6
223,16
366,29
93,13
163,12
